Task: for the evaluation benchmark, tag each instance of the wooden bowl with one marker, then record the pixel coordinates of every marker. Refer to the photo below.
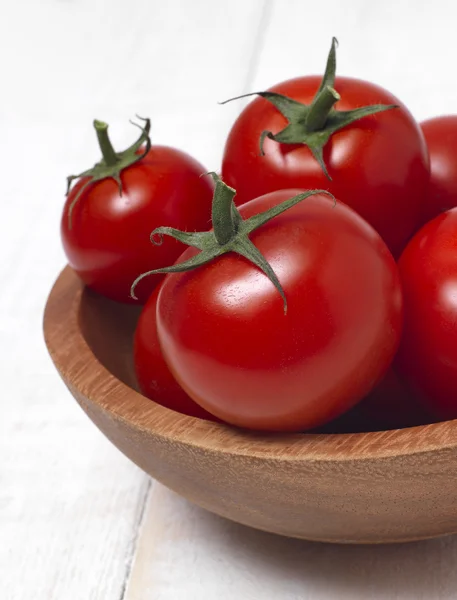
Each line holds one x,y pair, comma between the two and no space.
391,486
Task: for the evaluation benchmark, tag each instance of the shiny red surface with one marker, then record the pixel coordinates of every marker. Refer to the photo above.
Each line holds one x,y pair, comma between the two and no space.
379,165
229,344
441,137
428,352
152,372
109,246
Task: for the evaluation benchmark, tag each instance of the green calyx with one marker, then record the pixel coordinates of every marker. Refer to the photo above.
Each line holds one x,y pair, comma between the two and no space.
112,163
313,124
230,233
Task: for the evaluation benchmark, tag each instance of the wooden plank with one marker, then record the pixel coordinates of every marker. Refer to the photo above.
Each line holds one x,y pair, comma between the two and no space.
70,504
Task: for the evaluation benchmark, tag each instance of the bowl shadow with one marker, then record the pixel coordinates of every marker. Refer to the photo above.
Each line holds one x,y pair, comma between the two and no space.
425,569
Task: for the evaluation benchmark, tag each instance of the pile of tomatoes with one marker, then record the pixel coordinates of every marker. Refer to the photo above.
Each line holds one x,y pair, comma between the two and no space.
318,289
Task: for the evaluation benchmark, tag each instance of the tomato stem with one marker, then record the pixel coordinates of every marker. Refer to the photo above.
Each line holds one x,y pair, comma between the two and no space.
320,108
224,224
107,150
314,124
230,233
112,163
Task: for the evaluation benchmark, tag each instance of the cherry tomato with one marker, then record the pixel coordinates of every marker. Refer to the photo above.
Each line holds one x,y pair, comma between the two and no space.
106,240
428,353
378,165
233,349
441,137
153,375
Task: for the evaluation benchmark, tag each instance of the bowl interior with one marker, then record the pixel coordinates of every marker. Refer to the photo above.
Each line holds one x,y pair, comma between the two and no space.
98,336
367,487
108,328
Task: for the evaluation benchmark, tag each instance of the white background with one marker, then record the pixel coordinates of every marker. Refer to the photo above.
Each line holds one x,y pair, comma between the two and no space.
78,521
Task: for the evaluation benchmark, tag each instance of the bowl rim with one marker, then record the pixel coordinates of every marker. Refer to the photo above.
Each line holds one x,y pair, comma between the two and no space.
61,316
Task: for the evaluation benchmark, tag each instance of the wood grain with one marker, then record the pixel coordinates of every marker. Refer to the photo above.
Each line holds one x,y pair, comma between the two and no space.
357,488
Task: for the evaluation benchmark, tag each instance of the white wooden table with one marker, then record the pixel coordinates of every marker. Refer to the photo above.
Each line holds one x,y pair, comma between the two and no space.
78,521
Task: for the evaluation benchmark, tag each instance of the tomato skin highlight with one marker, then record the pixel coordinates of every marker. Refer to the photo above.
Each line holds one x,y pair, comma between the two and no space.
108,245
379,165
441,137
226,339
428,353
153,375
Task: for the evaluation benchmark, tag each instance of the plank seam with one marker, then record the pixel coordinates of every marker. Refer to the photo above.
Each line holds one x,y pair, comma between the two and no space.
136,536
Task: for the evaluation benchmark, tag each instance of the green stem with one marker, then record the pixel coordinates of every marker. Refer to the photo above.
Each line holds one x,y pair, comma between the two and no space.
224,225
109,155
231,238
314,124
320,108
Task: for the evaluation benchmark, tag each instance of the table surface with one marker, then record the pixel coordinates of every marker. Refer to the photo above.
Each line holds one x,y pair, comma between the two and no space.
78,521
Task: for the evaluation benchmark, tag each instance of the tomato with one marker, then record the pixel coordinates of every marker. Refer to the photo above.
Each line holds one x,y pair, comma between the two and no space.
233,349
378,164
106,240
390,405
441,137
428,353
153,375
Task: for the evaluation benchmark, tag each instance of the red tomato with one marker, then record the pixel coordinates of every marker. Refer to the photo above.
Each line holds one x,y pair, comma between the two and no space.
390,405
108,242
153,375
379,164
441,137
226,338
428,351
